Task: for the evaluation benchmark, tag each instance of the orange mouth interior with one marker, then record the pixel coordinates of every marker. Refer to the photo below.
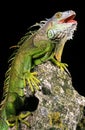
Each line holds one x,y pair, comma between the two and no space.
69,19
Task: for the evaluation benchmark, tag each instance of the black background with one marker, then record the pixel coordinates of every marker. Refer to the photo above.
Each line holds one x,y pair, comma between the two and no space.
16,17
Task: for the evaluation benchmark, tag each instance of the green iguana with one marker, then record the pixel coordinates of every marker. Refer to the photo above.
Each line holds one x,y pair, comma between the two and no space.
36,47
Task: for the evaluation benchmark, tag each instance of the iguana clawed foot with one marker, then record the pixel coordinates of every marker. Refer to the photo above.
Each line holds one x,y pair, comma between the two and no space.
31,80
62,66
14,120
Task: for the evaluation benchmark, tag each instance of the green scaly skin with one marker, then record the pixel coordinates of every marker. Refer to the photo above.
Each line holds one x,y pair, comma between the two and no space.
47,43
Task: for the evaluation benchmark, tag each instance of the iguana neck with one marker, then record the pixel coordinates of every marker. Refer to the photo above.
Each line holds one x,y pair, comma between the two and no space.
59,48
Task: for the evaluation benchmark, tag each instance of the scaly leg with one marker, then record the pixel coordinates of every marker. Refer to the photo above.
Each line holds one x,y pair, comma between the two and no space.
14,120
62,66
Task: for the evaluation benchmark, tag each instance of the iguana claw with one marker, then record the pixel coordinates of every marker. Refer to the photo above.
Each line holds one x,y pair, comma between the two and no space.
63,66
32,81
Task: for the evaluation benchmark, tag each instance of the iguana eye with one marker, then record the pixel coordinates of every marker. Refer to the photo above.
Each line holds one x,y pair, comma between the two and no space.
58,15
50,34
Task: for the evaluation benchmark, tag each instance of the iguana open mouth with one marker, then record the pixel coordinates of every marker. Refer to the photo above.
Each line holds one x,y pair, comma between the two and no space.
69,19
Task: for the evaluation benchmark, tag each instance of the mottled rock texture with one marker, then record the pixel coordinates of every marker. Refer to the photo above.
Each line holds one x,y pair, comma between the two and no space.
57,106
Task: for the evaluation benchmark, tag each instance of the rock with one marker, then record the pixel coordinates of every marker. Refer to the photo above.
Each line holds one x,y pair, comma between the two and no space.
58,106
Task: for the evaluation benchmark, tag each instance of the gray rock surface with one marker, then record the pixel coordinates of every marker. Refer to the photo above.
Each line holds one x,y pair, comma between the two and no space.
59,105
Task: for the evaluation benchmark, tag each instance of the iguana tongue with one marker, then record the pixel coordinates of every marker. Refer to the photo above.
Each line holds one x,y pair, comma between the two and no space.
71,21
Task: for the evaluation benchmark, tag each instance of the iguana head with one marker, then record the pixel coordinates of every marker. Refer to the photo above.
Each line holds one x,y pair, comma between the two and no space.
57,29
61,24
61,28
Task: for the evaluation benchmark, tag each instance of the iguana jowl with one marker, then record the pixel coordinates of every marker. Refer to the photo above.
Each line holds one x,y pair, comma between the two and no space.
35,47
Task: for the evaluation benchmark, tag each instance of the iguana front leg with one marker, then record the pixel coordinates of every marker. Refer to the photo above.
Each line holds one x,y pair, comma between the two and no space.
56,56
36,58
62,66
